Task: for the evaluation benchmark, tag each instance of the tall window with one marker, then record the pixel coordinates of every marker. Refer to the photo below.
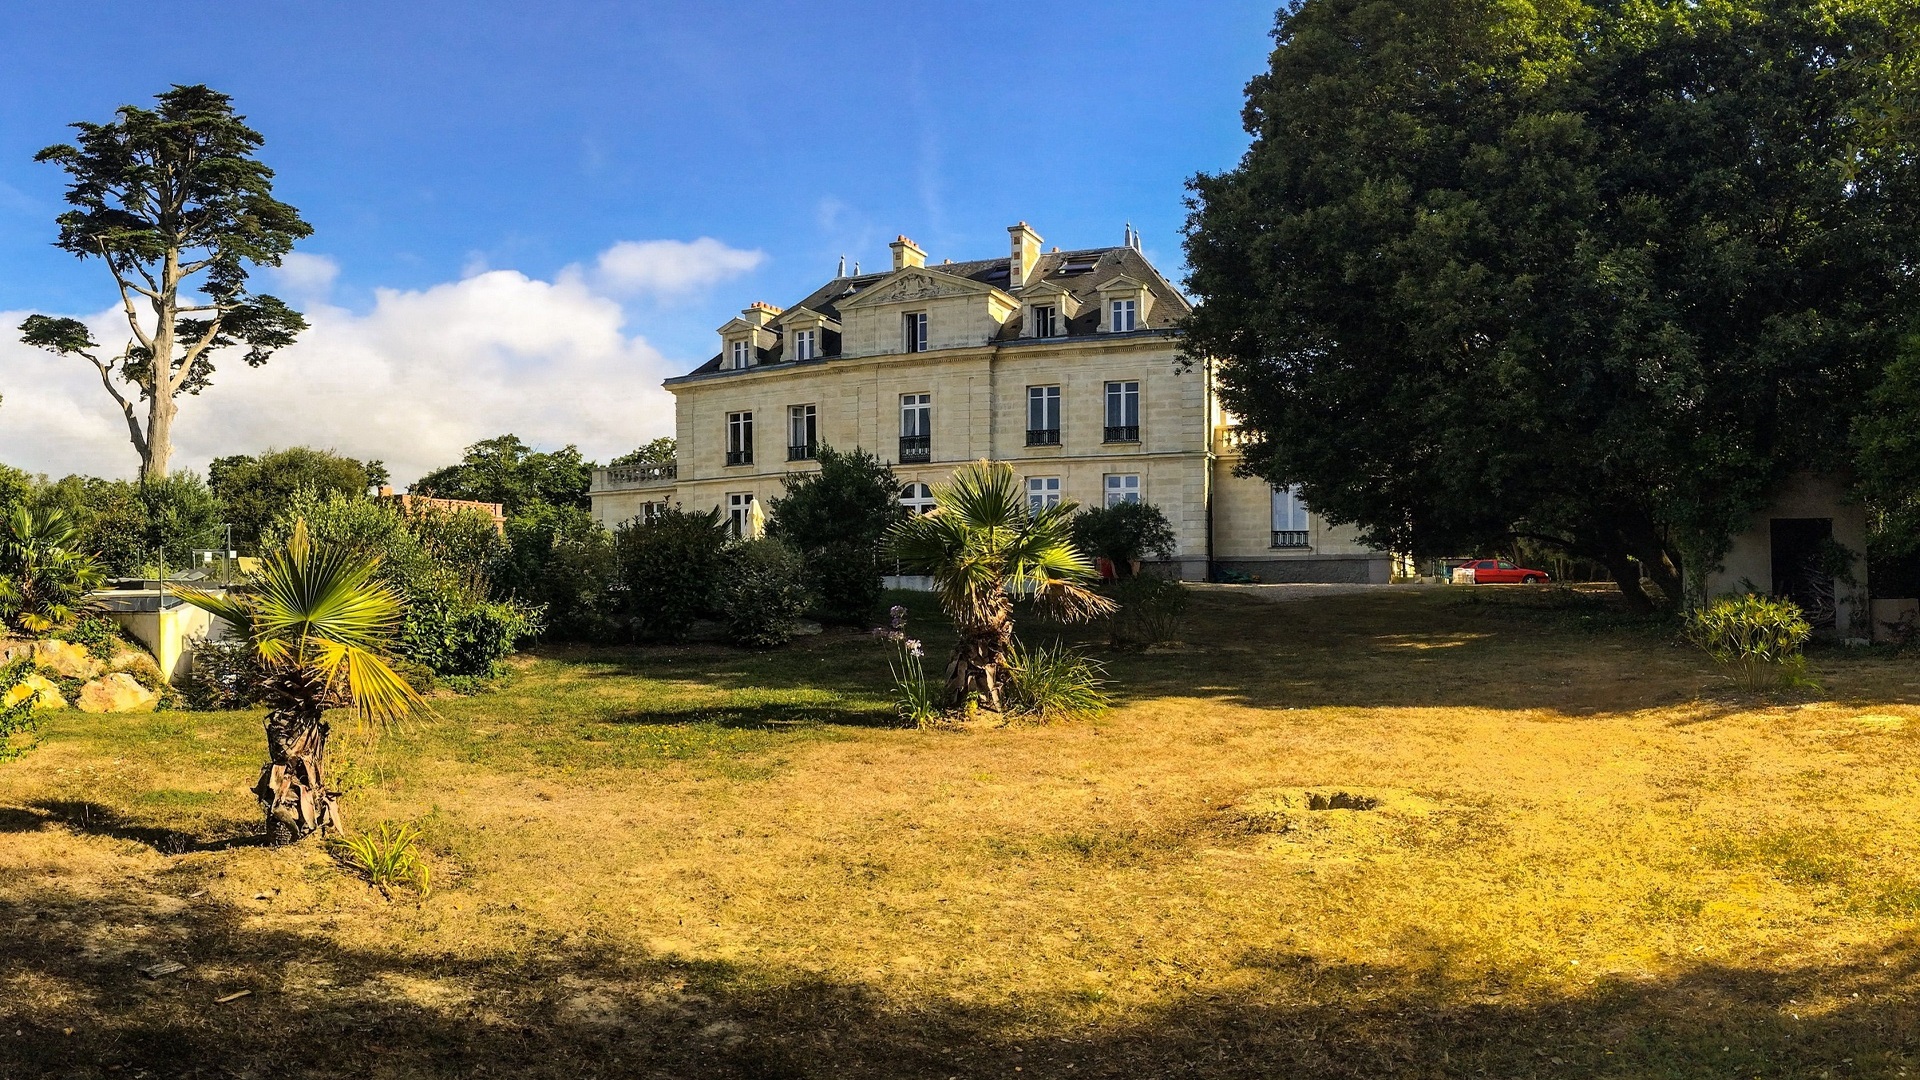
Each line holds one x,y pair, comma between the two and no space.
739,438
916,427
913,327
1123,412
1123,488
917,498
803,344
1122,312
1289,518
739,513
802,437
1042,492
1045,320
1043,416
742,354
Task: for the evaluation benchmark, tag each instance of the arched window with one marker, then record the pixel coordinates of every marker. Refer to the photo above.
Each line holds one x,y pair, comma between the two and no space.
917,498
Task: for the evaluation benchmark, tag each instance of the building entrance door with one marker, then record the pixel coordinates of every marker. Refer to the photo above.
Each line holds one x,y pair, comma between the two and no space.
1800,571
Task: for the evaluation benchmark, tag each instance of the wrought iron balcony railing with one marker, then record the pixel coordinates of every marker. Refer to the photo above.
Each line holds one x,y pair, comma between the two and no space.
801,453
916,448
1289,538
1129,433
1043,436
740,457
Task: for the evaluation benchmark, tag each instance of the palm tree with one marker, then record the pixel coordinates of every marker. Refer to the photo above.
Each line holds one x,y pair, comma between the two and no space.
983,547
317,622
42,579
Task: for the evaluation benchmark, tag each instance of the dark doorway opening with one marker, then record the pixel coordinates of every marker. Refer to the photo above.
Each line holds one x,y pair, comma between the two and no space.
1800,566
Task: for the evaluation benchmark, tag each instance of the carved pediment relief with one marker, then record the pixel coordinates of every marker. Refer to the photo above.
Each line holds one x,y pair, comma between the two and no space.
913,285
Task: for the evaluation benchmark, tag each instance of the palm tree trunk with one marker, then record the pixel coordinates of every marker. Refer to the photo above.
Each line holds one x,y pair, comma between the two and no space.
979,658
292,789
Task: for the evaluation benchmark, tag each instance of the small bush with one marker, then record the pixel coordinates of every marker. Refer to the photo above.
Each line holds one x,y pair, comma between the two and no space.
845,577
1050,683
1150,611
1757,637
387,857
95,633
223,674
669,572
763,593
460,636
1124,534
18,721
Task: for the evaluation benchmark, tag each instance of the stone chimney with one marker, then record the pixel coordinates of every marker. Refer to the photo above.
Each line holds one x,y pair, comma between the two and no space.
907,253
1026,254
759,313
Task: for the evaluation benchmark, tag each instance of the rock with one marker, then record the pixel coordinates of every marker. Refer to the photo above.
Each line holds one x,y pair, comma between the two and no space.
15,650
118,692
807,628
65,659
136,663
41,689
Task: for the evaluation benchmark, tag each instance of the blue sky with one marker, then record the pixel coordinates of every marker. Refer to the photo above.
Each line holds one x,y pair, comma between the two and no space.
510,148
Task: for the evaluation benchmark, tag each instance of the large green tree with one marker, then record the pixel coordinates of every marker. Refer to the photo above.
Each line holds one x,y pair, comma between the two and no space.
175,204
257,489
1597,274
506,470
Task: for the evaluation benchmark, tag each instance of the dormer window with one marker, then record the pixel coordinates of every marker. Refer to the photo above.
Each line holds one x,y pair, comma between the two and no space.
914,331
742,354
1046,320
804,344
1121,316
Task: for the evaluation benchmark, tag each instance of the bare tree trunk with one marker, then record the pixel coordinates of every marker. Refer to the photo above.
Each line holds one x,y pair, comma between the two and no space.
292,788
159,442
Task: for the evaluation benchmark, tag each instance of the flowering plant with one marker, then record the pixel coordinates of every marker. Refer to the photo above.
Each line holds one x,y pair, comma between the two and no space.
916,698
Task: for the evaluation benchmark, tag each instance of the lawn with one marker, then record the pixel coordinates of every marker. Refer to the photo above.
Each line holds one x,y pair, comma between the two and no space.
1579,855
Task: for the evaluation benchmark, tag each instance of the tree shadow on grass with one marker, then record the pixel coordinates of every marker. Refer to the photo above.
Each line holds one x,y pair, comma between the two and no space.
78,1007
93,819
760,716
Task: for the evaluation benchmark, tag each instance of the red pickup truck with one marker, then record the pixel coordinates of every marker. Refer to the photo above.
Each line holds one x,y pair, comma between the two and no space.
1502,572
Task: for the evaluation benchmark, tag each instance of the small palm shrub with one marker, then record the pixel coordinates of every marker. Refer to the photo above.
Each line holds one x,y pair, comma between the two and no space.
1150,611
1054,683
44,579
763,593
387,857
1758,638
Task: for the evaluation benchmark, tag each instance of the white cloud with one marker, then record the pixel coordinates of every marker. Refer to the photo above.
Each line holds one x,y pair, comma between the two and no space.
413,381
667,267
305,276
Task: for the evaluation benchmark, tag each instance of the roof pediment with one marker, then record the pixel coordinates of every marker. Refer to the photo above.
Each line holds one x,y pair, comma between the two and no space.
1120,283
1043,289
737,326
804,315
916,283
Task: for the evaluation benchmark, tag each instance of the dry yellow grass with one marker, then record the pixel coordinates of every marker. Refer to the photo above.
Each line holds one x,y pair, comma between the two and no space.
1583,858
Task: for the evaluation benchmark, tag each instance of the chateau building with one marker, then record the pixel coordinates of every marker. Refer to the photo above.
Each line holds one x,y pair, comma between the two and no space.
1062,363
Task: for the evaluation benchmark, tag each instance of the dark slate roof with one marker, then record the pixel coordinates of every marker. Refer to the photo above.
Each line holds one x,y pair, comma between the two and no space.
1078,272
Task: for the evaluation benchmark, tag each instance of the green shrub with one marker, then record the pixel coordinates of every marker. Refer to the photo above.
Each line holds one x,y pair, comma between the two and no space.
456,635
221,674
386,857
1049,683
1757,637
561,559
1149,613
668,572
96,633
763,593
845,578
1124,534
19,721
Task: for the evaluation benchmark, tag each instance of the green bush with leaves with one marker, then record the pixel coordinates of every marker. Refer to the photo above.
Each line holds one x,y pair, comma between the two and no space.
440,563
133,528
1125,534
763,593
19,721
669,572
1150,610
1055,683
44,580
388,856
562,560
845,579
1758,638
837,516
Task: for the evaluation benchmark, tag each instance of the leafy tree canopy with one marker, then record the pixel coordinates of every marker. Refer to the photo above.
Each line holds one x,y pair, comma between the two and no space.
659,451
1598,274
175,204
507,471
257,489
852,498
1124,534
134,527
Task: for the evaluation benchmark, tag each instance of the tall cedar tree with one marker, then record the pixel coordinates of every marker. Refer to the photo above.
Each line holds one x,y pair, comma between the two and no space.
175,204
1599,275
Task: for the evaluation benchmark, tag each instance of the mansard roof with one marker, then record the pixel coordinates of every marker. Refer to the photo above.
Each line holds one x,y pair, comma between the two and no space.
1079,273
